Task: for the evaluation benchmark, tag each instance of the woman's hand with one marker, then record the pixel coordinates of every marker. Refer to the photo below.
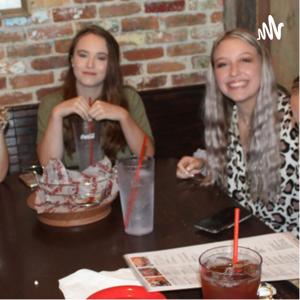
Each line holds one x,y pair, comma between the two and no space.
134,135
188,166
77,105
52,145
101,110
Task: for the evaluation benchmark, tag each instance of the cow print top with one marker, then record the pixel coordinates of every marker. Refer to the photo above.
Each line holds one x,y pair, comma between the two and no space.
284,214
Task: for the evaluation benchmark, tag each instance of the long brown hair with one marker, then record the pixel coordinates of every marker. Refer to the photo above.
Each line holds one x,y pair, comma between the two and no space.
112,138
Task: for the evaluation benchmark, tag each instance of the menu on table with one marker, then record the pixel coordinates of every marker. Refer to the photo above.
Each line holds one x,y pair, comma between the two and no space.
178,268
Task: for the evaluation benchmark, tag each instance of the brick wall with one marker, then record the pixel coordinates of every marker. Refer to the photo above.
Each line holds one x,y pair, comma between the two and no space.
164,43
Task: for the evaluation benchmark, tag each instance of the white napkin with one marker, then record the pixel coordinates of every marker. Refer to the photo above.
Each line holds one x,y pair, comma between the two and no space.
84,282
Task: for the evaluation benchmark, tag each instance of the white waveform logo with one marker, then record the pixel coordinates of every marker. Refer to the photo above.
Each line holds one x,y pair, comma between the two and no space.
269,30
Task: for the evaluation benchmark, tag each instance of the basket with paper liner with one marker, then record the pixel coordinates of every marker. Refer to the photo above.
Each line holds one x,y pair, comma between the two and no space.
66,198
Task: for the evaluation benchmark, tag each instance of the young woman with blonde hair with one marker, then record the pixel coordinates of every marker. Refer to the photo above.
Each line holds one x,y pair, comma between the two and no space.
252,145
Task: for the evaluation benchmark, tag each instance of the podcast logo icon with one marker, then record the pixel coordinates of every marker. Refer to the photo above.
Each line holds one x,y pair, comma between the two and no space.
268,30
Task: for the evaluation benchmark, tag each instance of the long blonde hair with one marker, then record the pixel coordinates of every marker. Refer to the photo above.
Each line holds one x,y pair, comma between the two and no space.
264,160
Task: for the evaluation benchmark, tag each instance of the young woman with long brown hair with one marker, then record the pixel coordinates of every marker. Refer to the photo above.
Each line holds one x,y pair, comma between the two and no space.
94,73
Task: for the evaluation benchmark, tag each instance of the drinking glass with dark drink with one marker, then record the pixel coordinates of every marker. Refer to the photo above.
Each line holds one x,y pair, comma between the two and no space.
221,279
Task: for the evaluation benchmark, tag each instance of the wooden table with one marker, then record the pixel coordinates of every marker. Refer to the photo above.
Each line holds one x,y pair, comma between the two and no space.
30,250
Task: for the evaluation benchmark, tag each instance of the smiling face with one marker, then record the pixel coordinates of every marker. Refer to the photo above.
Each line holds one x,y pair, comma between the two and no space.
237,68
89,61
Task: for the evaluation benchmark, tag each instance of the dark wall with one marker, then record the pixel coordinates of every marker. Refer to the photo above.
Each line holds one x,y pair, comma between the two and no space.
176,119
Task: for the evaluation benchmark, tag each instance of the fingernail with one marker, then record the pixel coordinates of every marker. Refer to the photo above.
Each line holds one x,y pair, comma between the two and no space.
188,173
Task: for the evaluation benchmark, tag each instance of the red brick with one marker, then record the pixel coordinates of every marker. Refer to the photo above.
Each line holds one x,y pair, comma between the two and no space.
152,83
90,1
216,17
131,70
47,63
142,23
41,93
15,98
2,83
24,81
2,53
62,75
50,32
160,6
186,49
124,9
38,4
12,36
200,62
204,33
206,5
74,13
185,20
187,79
166,37
164,67
28,50
143,54
62,46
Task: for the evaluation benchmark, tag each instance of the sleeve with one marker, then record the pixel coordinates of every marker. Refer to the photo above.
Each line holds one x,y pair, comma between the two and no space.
44,112
137,111
289,171
200,153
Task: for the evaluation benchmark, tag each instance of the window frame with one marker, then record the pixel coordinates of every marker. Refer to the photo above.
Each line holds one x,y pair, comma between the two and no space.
10,12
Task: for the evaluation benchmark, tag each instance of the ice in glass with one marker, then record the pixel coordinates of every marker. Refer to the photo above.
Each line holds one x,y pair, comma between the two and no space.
220,279
87,141
139,192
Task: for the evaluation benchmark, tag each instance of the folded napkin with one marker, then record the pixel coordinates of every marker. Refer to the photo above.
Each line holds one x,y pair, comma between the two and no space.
84,282
61,190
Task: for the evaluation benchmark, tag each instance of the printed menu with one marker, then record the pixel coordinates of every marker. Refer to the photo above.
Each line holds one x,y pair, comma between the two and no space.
178,268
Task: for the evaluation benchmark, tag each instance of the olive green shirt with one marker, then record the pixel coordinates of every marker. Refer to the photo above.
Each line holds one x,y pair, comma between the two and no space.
135,107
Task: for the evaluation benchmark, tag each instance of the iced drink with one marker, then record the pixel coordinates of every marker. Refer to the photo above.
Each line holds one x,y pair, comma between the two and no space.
220,279
140,192
87,141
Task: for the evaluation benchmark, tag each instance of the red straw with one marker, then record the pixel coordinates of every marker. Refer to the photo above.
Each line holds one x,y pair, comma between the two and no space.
236,235
133,191
91,141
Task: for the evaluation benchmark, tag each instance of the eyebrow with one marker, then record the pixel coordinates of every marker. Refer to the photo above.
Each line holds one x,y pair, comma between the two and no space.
243,53
86,51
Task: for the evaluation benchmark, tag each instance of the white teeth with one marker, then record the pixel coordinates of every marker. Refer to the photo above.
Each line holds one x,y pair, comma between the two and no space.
237,84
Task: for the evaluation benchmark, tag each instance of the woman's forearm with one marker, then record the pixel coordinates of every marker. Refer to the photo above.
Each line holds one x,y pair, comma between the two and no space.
4,159
51,145
134,136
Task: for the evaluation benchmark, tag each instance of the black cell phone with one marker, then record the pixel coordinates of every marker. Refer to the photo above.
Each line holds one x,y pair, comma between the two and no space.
222,220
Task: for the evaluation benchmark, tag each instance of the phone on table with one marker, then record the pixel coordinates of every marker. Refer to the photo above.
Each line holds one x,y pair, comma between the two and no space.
222,220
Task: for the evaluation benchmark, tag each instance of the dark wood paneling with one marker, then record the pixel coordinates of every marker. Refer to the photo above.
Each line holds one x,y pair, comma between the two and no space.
21,136
175,117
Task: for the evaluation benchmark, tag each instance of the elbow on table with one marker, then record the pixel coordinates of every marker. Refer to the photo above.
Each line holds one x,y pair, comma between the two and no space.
3,172
42,156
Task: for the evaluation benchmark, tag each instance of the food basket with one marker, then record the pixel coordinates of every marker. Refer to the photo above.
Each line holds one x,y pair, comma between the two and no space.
67,198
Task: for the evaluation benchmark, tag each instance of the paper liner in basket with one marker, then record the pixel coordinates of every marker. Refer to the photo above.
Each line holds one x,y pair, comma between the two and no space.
60,190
